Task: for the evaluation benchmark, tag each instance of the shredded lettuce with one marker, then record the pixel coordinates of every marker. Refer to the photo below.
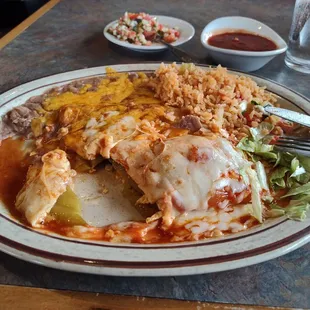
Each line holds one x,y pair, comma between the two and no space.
289,175
257,148
263,129
278,160
261,174
295,210
262,178
297,207
303,189
299,193
245,144
267,155
286,159
303,178
305,162
289,171
296,169
263,148
294,164
255,144
277,177
245,176
256,199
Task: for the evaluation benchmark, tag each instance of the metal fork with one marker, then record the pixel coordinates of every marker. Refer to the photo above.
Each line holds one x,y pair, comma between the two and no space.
296,145
180,54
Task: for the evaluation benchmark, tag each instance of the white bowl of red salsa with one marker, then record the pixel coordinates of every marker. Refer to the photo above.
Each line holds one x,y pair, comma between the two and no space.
241,43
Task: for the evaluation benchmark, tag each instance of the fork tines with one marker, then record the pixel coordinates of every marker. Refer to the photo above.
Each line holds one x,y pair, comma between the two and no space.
294,145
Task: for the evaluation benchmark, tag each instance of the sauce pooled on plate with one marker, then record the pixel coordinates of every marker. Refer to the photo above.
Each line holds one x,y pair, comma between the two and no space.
242,41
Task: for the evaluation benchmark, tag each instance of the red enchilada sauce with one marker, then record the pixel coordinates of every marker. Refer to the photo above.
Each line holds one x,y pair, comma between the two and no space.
242,41
13,170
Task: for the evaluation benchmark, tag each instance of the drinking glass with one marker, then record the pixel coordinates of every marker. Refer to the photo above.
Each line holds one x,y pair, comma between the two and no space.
298,52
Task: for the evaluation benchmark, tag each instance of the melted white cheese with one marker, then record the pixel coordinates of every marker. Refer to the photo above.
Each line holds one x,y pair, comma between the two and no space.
102,140
203,221
185,174
187,179
122,129
235,185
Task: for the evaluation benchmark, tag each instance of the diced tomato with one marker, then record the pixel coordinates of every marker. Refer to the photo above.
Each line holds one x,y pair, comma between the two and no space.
131,34
274,140
246,114
286,126
174,32
133,15
169,38
149,35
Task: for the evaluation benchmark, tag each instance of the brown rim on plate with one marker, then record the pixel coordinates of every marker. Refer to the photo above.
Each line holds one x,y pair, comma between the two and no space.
152,264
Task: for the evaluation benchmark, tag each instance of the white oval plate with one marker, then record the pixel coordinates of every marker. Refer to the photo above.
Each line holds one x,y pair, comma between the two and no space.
187,31
272,239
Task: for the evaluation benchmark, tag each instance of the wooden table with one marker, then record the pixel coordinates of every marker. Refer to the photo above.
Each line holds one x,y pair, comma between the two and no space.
69,36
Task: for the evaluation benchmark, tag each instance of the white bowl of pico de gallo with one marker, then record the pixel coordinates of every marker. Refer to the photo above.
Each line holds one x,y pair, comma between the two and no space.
141,31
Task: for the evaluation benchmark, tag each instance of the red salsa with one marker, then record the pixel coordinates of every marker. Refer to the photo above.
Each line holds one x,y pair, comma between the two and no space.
242,41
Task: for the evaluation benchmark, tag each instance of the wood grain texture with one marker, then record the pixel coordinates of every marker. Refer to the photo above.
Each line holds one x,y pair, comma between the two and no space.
15,297
26,23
